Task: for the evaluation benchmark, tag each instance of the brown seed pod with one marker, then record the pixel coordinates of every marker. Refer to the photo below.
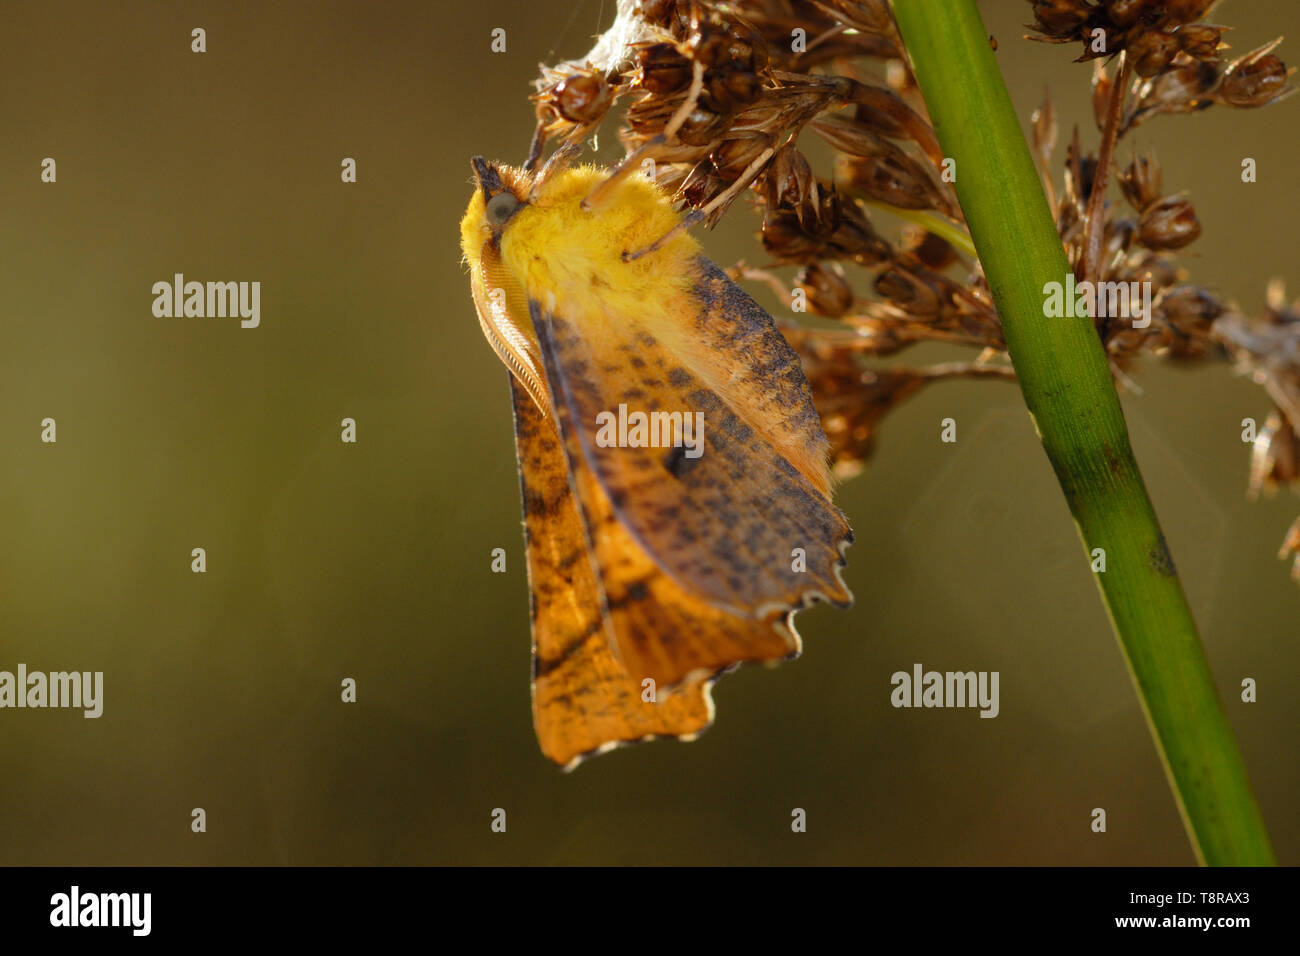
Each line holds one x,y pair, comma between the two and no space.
721,41
1291,546
1254,80
889,115
784,238
1125,340
1141,181
1183,89
728,89
869,16
1125,13
934,252
827,291
1200,40
701,185
1152,51
850,136
1060,19
733,156
1175,12
660,13
663,69
855,239
1275,455
702,127
582,98
1169,223
907,291
1189,310
895,178
789,181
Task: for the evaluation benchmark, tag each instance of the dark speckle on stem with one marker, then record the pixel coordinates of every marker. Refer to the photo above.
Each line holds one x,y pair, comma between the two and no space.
1161,560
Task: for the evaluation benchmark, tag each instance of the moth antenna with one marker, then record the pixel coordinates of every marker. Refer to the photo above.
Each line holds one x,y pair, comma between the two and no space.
560,160
698,215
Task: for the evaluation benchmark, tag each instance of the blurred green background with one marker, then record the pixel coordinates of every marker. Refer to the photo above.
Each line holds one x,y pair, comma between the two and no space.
328,560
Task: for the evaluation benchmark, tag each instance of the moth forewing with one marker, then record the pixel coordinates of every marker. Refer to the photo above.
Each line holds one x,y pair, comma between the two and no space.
584,699
723,527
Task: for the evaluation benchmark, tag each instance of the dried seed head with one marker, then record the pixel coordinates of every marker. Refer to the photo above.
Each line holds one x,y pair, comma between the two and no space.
1274,456
789,181
1060,19
1256,79
1125,13
1200,40
1102,85
1189,310
894,178
1184,318
660,13
1117,239
1177,12
1141,181
907,291
1169,223
1152,51
733,156
1291,546
702,127
1185,88
850,136
728,89
663,69
889,115
583,98
869,16
827,291
784,239
855,238
934,252
702,183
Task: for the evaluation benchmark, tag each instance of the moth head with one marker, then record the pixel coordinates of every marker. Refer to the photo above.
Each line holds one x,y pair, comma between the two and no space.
501,302
501,192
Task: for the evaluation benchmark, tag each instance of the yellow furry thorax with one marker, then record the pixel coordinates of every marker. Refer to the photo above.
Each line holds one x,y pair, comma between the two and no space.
554,247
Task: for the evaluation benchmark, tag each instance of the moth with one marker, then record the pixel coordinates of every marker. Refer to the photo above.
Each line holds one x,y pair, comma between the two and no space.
652,569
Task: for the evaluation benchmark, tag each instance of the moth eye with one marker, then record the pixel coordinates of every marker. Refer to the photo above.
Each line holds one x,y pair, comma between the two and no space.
501,207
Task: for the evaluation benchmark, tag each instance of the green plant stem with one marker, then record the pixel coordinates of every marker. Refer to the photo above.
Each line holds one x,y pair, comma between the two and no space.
1067,384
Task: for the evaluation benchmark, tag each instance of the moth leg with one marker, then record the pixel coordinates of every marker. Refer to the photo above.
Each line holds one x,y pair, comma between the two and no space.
740,271
536,146
559,160
699,215
652,146
692,99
